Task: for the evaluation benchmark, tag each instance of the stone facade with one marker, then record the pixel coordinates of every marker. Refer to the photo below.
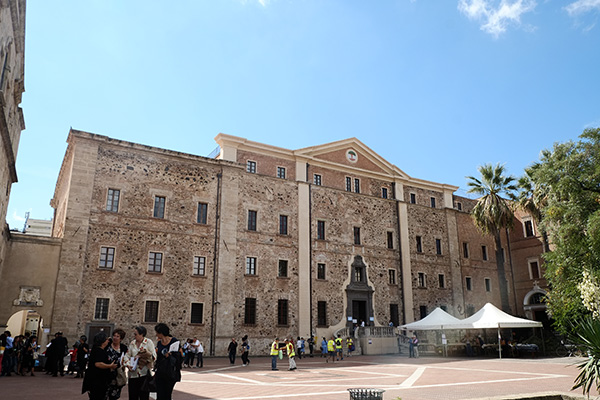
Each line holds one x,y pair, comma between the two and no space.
12,51
261,241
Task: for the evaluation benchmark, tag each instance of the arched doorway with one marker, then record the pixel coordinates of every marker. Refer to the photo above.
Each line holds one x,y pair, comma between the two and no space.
534,305
26,321
359,294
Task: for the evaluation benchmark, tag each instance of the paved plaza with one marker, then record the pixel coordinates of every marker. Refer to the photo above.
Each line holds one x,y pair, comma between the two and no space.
400,377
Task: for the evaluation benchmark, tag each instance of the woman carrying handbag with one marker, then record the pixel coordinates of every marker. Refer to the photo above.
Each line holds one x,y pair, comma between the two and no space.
141,355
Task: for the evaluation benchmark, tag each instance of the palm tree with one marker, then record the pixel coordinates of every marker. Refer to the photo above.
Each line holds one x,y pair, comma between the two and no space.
492,213
533,200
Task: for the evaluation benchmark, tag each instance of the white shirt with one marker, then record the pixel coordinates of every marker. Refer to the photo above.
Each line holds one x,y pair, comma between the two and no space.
198,347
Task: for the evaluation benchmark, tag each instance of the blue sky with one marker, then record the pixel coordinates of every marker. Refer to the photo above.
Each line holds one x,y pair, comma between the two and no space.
435,87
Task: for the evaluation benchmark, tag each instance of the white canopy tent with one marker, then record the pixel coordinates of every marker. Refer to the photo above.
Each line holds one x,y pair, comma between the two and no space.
489,317
436,320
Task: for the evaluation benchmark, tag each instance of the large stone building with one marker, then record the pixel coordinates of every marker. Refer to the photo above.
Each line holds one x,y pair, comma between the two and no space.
12,72
258,240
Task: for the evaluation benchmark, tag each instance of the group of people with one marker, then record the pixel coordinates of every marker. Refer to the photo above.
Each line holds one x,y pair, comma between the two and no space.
193,348
110,358
18,354
330,349
244,351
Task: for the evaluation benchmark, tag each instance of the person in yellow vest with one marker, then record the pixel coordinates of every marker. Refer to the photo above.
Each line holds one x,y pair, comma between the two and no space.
291,353
330,350
350,345
274,354
339,350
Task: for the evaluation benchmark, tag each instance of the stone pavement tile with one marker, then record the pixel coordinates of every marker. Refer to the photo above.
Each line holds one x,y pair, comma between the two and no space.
400,377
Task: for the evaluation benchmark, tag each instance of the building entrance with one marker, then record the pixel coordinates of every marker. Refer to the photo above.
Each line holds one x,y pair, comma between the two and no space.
359,294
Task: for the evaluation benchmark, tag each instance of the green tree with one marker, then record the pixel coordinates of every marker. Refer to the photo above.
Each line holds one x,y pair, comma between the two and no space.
493,213
568,178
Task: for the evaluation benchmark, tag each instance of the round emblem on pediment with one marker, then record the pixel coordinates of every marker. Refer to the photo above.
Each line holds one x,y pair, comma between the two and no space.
351,156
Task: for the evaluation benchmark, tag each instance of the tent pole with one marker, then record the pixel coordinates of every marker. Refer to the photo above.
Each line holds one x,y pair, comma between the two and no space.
499,344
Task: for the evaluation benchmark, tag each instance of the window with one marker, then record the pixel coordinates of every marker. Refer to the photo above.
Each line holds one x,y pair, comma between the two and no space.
202,213
281,172
459,206
283,225
465,250
488,284
251,166
422,279
250,265
432,202
484,254
394,315
251,220
151,312
317,179
356,235
155,262
282,312
112,200
534,270
419,245
283,269
159,206
442,281
423,311
359,274
384,193
469,283
107,257
322,313
197,313
101,310
438,246
321,230
199,266
250,311
320,271
356,185
413,198
390,240
392,276
528,225
348,184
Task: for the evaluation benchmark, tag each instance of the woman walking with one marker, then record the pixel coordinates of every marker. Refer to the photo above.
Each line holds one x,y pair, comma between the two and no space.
168,362
115,352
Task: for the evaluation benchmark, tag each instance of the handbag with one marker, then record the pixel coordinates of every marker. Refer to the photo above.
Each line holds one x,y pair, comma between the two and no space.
149,384
121,377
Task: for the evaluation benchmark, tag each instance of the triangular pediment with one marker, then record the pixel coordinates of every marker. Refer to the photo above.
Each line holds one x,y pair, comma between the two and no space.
350,153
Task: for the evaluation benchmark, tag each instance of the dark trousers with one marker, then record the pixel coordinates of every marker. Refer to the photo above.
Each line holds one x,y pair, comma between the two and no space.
245,358
164,389
189,358
135,389
199,360
232,358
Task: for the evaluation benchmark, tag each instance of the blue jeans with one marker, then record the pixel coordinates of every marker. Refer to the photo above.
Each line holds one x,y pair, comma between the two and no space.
274,362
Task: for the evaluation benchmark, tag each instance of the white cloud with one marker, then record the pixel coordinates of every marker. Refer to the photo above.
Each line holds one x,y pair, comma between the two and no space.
582,6
495,18
18,218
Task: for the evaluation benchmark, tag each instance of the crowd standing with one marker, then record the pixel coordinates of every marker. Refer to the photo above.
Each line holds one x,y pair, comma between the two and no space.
145,366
